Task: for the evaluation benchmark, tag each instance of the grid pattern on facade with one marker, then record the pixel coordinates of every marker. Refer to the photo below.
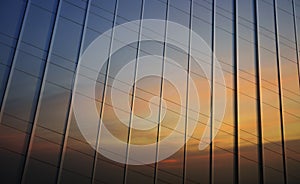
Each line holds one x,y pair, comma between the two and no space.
255,41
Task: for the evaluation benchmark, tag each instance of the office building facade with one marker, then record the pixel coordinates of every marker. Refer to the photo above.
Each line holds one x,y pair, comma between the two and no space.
255,44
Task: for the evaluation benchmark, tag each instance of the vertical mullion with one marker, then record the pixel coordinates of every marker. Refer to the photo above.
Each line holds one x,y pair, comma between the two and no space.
71,98
236,95
40,92
133,94
13,63
161,95
258,93
296,38
104,94
187,93
213,26
280,89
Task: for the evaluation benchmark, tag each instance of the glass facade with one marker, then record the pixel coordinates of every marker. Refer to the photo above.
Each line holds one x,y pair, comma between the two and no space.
256,43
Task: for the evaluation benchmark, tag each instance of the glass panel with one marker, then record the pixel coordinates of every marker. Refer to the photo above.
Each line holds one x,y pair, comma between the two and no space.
11,16
4,70
45,151
55,96
223,143
54,119
12,161
83,166
125,12
171,169
290,85
272,151
248,134
44,170
146,106
198,161
39,27
23,108
118,127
